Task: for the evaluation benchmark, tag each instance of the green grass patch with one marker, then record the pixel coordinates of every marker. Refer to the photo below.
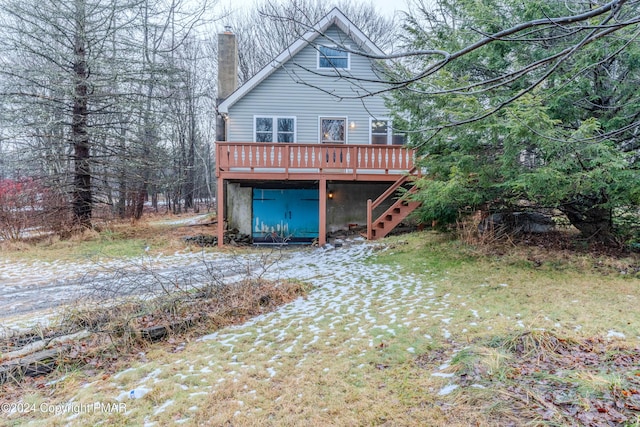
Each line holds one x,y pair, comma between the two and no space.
582,297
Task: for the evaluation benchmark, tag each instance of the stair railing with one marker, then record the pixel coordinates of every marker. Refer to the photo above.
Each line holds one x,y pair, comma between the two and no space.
371,205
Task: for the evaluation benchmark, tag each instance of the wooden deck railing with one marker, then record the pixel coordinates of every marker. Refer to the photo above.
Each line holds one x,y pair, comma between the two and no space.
313,158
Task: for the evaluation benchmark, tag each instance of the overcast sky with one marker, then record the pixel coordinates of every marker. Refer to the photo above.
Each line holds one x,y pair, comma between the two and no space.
383,6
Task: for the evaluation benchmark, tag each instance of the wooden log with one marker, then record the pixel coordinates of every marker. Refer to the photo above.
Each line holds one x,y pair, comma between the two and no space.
44,343
158,332
36,364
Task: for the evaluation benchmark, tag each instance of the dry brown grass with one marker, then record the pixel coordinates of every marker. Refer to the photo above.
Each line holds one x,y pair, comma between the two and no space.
205,309
537,344
562,248
112,238
8,246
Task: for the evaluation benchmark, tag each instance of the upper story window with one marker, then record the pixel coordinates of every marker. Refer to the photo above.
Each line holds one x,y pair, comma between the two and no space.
382,133
275,129
333,57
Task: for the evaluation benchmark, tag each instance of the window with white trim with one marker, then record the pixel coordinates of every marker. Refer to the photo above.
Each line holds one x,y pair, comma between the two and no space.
275,129
382,133
333,57
333,130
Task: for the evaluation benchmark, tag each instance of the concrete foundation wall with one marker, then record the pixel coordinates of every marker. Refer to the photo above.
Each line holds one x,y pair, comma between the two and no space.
349,203
238,211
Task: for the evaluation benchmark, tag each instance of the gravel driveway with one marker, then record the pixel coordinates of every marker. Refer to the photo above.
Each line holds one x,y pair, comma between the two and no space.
31,291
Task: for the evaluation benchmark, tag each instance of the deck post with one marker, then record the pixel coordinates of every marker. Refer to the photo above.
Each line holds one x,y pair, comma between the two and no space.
322,229
220,211
369,219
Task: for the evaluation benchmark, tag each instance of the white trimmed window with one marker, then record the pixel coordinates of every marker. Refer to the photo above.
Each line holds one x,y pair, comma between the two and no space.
382,133
333,130
275,129
331,57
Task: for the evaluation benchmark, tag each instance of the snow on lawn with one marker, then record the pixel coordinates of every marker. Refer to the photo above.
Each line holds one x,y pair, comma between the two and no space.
373,302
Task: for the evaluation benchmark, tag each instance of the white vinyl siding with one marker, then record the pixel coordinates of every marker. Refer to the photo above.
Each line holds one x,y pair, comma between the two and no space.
274,129
296,89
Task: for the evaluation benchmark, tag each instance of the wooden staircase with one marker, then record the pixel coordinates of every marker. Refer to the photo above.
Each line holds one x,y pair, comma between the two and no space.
393,216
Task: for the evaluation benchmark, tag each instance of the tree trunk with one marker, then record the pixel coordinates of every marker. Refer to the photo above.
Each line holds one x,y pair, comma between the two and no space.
123,176
141,197
82,198
592,220
189,167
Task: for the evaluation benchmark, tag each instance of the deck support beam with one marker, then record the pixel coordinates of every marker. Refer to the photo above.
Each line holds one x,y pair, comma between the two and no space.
220,210
322,226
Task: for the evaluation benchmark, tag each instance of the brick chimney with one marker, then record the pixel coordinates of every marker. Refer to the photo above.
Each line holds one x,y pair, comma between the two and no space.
227,73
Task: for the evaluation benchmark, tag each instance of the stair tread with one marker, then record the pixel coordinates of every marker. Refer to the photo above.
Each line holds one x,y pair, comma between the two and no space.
393,216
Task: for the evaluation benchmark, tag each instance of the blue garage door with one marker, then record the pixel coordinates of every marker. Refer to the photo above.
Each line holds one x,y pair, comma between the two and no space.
285,215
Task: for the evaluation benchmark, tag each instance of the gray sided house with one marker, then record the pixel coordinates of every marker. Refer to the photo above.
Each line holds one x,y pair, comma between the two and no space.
306,145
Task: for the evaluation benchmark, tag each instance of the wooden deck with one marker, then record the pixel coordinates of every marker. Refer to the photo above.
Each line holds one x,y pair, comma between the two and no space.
278,161
249,161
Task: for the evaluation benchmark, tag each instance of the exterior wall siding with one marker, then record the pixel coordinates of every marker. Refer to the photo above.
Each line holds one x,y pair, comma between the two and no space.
292,91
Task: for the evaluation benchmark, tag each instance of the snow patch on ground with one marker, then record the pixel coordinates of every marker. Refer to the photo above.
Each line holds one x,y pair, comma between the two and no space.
615,334
447,389
162,407
30,291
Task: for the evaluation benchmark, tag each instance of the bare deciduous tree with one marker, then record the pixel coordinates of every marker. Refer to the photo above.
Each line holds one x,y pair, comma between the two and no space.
86,85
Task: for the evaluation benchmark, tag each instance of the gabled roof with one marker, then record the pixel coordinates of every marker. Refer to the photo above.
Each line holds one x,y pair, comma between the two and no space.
335,16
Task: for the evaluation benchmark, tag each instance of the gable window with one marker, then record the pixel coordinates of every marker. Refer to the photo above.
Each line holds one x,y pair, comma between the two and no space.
382,133
333,57
275,129
333,130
